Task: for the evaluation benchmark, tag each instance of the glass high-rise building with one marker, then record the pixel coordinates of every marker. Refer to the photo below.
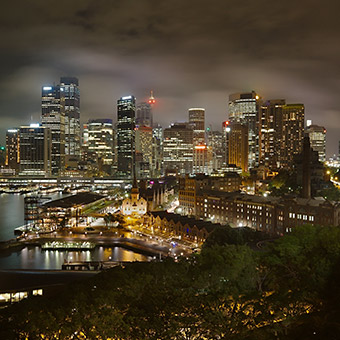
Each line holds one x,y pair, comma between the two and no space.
100,139
35,150
70,88
53,117
270,133
293,123
126,111
12,149
197,122
317,138
178,149
144,114
244,109
238,145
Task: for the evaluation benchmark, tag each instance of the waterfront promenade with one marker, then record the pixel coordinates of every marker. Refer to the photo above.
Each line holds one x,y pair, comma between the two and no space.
136,241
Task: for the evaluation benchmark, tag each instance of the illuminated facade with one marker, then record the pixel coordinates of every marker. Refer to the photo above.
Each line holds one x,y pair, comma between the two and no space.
238,145
126,110
202,159
35,150
144,151
317,137
197,122
69,87
217,146
244,109
178,149
99,134
53,117
293,120
271,120
12,149
134,205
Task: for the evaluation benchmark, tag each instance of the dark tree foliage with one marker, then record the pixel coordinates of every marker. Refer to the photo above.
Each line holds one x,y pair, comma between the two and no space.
226,235
291,290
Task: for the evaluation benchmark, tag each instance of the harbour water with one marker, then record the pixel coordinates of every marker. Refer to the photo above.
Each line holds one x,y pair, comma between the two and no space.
12,216
36,258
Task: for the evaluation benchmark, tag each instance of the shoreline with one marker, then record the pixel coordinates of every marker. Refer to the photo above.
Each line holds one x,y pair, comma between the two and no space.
138,246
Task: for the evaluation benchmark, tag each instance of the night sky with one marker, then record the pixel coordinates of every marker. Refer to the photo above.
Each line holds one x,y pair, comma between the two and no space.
192,53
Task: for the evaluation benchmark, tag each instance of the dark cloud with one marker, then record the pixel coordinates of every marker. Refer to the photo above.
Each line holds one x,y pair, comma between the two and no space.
191,53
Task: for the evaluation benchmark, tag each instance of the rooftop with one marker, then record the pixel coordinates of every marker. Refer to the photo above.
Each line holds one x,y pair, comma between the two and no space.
82,198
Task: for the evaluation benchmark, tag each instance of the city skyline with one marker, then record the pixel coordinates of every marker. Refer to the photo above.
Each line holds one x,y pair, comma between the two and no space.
190,54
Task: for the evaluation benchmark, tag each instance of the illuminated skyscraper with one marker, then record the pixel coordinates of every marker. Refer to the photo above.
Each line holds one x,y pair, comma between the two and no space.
317,138
35,150
99,134
53,117
202,159
126,110
238,145
178,149
12,149
144,152
244,109
271,120
216,144
70,88
293,121
196,121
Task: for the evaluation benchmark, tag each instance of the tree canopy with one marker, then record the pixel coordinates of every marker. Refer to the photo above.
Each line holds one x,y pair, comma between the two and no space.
289,290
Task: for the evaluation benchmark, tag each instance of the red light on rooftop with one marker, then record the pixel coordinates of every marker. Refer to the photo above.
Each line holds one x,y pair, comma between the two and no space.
152,100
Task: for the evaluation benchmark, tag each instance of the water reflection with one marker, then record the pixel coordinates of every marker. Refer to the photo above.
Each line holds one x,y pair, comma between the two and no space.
35,258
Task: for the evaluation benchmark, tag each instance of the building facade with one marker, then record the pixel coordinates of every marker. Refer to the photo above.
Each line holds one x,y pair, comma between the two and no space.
53,117
126,110
12,149
70,88
197,123
244,109
293,121
99,135
35,150
270,133
178,149
317,137
144,114
238,145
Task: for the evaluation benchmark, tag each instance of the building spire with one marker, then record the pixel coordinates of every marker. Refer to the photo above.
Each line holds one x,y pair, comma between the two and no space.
152,99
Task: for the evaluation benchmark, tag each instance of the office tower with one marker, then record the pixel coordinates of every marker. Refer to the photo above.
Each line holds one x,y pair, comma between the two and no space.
144,114
144,152
306,168
293,120
158,136
238,145
270,133
53,117
202,159
216,144
12,149
196,121
70,88
99,139
126,109
35,150
317,137
178,149
244,108
226,134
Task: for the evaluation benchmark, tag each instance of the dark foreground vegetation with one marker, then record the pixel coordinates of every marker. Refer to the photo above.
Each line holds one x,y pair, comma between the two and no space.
289,290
